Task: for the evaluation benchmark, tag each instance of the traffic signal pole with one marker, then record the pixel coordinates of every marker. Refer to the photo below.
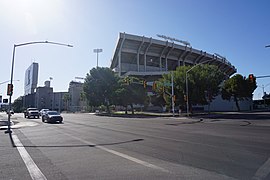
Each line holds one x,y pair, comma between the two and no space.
11,81
12,67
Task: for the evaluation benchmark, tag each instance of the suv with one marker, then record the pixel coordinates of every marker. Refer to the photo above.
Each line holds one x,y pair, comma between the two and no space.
31,112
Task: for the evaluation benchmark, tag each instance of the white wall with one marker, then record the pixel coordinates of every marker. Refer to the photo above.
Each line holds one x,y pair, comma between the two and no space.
218,104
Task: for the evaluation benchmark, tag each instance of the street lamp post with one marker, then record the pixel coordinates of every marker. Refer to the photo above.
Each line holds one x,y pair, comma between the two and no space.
187,104
97,51
12,68
7,81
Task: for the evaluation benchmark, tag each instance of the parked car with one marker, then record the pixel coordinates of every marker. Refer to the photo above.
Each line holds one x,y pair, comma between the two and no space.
52,116
31,112
42,112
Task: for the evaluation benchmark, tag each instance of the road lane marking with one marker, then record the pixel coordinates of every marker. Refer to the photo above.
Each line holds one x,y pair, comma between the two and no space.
33,169
138,161
144,163
263,171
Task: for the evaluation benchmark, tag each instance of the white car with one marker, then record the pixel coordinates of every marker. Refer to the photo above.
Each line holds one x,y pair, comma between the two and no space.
42,112
31,112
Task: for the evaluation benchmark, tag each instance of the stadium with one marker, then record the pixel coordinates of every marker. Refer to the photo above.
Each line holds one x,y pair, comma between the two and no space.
142,56
149,58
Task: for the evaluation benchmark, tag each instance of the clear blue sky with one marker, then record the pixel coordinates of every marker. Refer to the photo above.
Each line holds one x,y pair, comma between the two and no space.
236,29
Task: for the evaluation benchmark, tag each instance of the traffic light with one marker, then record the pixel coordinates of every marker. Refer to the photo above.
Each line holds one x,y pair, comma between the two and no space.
154,85
174,98
5,100
10,89
144,84
251,77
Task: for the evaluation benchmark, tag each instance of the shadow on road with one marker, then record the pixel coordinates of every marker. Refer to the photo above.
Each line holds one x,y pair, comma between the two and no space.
245,116
79,145
190,122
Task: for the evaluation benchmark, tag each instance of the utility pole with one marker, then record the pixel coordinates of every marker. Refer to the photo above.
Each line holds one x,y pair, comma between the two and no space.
172,93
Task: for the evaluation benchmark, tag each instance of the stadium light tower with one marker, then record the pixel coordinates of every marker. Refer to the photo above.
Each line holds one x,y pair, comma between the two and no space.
12,68
97,51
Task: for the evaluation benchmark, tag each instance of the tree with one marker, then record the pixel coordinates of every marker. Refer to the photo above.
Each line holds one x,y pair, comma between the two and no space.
18,104
66,99
238,88
130,91
99,86
203,83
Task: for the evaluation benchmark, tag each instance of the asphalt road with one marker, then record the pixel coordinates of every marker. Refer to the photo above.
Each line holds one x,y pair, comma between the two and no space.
87,146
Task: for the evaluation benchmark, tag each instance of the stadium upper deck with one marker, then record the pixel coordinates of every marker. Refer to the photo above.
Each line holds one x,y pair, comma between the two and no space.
142,56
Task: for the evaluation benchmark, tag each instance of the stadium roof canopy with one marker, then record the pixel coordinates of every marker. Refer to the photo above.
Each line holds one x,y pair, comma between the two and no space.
143,56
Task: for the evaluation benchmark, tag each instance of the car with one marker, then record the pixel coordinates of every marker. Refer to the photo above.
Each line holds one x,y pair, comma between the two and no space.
11,111
52,116
42,112
31,112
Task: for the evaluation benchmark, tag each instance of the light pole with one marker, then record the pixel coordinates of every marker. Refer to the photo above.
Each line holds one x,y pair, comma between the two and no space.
12,68
172,85
97,51
187,104
7,81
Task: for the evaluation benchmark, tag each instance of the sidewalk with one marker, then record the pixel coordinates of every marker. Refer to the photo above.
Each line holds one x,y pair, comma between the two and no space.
4,121
12,165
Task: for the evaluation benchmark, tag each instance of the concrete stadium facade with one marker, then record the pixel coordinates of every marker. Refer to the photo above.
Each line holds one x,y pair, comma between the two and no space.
143,56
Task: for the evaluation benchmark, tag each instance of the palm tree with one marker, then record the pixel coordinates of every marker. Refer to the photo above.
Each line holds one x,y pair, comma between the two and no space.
66,99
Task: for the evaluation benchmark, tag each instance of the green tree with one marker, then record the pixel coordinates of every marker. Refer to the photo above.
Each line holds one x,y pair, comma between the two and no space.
18,104
203,83
99,86
238,88
130,91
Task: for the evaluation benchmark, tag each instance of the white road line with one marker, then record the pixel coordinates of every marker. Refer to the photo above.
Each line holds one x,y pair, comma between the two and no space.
138,161
34,171
263,171
146,164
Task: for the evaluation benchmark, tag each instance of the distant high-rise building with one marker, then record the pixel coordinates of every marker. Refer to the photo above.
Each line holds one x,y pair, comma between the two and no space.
31,79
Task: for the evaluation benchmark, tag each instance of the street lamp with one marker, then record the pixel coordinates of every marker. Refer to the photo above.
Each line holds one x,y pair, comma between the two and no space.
187,104
7,81
97,51
267,46
12,67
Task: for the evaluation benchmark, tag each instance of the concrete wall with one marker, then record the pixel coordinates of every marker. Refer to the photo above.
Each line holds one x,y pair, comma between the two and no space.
218,104
44,97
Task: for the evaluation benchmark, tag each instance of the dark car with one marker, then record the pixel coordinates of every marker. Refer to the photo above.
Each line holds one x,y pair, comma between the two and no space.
52,116
11,111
